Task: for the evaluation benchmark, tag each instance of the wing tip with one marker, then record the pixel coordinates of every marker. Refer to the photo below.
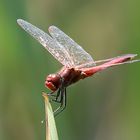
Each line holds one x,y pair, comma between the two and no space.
52,27
20,21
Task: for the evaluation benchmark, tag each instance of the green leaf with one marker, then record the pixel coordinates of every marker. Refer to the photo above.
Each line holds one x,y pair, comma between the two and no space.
51,131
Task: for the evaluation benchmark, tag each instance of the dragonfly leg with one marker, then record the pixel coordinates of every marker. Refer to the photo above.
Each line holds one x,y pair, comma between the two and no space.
51,94
57,97
63,102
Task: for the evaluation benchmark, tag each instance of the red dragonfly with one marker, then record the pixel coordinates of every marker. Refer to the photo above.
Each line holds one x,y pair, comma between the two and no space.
77,63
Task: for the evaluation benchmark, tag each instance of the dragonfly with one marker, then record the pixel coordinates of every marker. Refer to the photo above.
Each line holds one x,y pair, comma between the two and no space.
77,63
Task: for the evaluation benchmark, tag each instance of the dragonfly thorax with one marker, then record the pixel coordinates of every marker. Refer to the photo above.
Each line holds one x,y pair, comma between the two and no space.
53,81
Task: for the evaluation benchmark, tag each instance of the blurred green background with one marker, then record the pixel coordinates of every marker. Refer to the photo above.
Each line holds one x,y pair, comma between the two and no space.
104,107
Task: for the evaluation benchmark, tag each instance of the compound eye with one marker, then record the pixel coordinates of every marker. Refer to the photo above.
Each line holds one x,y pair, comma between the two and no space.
50,86
53,82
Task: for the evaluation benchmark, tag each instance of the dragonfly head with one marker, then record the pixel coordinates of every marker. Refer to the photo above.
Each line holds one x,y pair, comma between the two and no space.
53,81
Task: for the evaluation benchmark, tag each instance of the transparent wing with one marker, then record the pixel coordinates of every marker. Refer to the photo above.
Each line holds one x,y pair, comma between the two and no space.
77,54
55,48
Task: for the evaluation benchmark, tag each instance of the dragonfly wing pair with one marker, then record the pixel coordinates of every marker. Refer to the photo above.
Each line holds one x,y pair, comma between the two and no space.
61,46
